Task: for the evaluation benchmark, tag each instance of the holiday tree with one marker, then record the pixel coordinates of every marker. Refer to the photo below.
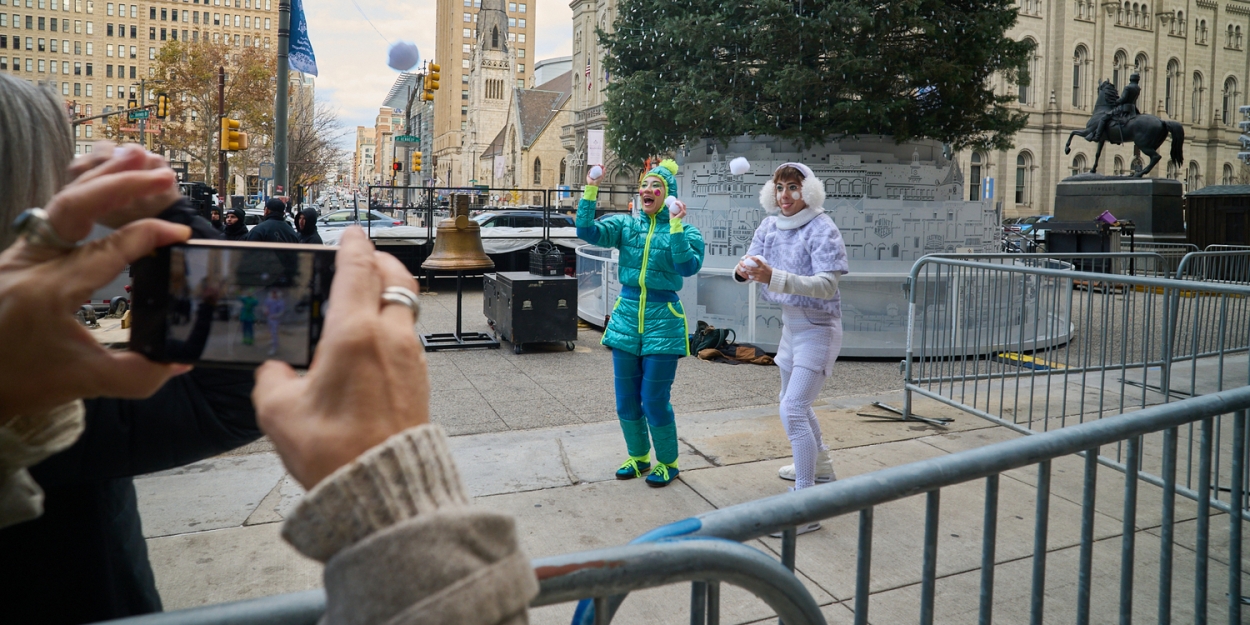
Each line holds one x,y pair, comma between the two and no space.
810,71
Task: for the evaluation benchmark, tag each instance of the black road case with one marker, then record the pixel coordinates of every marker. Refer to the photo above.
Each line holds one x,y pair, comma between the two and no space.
525,308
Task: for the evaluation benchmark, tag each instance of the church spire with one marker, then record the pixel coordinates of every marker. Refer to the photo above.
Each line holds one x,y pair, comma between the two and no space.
492,26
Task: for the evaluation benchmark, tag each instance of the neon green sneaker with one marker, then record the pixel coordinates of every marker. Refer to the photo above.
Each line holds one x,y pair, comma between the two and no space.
633,468
662,474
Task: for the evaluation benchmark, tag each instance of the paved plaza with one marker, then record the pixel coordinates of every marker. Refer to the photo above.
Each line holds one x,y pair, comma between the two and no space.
534,436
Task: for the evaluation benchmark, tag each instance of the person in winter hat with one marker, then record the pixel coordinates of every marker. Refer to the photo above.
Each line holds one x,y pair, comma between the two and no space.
647,330
306,223
236,229
798,256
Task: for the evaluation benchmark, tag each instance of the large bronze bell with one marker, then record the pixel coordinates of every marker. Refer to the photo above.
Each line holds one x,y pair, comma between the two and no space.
458,244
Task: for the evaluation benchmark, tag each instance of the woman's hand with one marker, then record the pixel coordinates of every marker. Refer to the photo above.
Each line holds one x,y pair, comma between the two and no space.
595,180
677,210
50,358
106,159
762,273
368,380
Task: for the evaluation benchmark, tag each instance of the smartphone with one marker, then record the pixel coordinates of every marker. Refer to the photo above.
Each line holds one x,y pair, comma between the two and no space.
230,304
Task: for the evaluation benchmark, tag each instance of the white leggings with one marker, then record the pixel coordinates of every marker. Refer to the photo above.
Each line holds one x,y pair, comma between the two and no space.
810,342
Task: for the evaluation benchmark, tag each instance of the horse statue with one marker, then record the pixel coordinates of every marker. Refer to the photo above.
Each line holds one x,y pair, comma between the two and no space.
1147,132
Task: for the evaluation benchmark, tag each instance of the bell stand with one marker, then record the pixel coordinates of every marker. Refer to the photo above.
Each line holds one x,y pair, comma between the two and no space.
442,341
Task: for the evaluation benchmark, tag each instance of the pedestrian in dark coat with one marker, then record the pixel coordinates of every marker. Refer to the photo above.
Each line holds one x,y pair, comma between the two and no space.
236,229
274,228
307,222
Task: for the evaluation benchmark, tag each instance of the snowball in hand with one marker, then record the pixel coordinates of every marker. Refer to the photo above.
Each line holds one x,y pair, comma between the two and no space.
739,166
749,262
596,172
670,202
403,56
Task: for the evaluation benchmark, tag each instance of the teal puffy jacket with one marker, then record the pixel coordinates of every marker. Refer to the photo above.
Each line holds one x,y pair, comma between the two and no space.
653,261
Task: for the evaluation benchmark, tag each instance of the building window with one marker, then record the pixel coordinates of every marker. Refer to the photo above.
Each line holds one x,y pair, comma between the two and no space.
521,37
465,33
1192,177
521,8
1078,165
494,37
1118,167
464,63
1119,70
520,53
521,23
1195,115
1228,174
512,22
974,179
520,68
1169,87
538,171
1078,76
1230,101
1023,164
464,47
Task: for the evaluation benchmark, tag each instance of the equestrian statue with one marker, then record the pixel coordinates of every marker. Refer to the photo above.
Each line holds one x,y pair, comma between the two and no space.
1117,120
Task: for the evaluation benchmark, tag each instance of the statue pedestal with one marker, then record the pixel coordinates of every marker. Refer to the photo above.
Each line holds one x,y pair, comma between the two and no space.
1154,205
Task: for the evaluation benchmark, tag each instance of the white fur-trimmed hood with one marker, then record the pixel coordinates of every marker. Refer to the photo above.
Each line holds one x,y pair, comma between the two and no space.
813,189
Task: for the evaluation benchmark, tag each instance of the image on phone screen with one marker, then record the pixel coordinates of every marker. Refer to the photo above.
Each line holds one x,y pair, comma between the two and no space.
232,304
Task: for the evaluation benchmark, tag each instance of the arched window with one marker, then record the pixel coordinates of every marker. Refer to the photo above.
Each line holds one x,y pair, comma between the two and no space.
1026,91
1079,59
1169,87
538,170
1118,169
1228,174
494,36
1141,64
1230,101
1174,172
1192,177
563,169
974,179
1078,165
1195,115
1237,37
1119,70
1024,164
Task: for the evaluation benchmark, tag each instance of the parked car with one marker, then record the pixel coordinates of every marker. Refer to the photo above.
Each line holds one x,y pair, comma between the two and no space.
522,219
367,219
1026,224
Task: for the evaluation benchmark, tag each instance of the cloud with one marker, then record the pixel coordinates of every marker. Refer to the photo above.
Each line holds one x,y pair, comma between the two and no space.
351,54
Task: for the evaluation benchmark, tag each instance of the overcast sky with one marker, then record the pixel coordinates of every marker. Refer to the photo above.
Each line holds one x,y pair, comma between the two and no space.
351,55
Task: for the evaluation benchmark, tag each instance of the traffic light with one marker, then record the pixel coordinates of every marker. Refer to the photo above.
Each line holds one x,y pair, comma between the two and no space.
132,103
162,106
397,166
431,81
416,161
231,139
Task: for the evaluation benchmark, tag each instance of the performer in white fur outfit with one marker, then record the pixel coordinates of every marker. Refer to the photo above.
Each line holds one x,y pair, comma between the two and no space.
798,255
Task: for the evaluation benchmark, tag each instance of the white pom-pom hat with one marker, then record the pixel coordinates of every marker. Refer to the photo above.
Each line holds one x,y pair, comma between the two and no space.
813,189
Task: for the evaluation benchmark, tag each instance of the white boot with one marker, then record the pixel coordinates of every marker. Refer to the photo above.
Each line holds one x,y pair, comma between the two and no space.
824,469
801,529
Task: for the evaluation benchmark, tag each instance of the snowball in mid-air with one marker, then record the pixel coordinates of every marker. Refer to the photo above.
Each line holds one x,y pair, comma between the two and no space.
403,56
739,166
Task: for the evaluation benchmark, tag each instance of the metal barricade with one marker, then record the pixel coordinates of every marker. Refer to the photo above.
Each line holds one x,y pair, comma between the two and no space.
988,339
679,551
1171,252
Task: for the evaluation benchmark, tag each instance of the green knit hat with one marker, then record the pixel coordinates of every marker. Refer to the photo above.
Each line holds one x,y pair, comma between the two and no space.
666,171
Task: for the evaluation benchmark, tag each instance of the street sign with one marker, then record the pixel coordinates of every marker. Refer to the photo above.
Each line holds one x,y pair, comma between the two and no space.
407,139
266,170
137,114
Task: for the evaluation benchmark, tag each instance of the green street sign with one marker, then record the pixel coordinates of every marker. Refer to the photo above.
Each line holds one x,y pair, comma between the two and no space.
407,139
139,114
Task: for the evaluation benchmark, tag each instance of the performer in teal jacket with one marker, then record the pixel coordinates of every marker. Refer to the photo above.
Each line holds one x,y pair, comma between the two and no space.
647,330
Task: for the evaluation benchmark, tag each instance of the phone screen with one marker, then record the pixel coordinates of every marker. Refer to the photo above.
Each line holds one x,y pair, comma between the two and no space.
231,304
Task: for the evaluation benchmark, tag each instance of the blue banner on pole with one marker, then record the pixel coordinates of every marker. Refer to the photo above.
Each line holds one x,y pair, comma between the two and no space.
300,56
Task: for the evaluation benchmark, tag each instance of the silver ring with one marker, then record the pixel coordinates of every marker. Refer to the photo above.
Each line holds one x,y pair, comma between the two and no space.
403,297
32,225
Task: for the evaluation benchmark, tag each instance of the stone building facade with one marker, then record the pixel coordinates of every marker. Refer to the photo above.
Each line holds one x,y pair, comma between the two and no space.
529,144
458,29
1192,58
94,53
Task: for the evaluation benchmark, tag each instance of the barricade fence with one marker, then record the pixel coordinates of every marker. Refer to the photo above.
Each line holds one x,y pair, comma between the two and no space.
1036,347
704,549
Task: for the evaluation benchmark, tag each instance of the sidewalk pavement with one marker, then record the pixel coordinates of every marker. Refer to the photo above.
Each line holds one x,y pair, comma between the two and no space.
213,526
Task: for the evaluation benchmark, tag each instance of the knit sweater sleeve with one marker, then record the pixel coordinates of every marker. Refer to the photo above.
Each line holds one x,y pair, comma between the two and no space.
24,442
823,285
402,543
